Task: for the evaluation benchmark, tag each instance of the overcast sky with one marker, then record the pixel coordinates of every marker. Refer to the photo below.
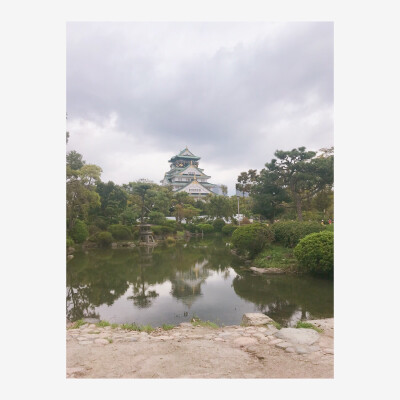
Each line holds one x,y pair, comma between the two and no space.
138,93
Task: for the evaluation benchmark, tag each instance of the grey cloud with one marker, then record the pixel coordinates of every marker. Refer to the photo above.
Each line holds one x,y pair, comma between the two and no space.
228,105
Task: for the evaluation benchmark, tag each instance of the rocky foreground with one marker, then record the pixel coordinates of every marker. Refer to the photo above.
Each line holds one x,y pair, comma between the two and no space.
187,351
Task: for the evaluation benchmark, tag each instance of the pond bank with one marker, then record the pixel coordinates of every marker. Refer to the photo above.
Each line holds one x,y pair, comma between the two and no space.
188,351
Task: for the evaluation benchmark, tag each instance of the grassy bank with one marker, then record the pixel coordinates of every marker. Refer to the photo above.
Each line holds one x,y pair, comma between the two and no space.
276,256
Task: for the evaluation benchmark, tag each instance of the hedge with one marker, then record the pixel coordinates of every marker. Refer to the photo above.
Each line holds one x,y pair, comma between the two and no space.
229,229
288,233
315,253
120,232
251,239
218,224
205,228
103,239
79,232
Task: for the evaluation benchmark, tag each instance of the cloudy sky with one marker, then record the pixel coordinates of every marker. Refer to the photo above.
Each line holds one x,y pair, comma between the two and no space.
138,93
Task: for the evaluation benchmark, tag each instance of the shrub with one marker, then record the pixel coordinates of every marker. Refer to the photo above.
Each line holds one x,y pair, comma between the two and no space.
245,221
206,228
120,232
162,230
315,253
93,229
79,232
170,240
192,228
288,233
156,217
70,242
103,239
218,224
101,223
251,238
229,229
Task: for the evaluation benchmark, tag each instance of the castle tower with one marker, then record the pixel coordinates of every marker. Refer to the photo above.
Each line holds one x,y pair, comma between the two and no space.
186,176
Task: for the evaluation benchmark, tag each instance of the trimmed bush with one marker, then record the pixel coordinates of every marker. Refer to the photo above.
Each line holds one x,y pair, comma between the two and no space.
162,230
79,232
288,233
252,238
103,239
192,228
156,218
218,224
315,253
120,232
229,229
206,228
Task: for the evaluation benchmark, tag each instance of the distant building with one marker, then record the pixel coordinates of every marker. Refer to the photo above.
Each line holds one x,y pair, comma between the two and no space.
186,176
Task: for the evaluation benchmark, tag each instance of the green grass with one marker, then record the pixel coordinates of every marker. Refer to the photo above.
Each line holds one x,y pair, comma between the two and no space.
78,324
196,321
94,332
167,327
307,325
138,328
277,325
276,256
109,340
103,324
113,326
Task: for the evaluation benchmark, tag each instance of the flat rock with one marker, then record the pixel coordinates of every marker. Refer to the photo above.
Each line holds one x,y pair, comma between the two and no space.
101,341
255,319
85,342
301,349
328,351
275,341
283,345
289,350
267,270
298,336
244,341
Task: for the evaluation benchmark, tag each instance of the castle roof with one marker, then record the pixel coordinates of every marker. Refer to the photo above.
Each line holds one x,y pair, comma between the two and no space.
185,154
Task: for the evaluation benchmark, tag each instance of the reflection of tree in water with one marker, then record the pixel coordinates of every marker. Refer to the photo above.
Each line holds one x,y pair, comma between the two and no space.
186,285
287,299
101,276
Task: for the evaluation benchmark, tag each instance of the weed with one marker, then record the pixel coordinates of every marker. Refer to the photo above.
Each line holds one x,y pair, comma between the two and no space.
94,332
167,327
78,324
277,325
307,325
109,340
113,326
196,321
146,328
276,256
130,327
103,324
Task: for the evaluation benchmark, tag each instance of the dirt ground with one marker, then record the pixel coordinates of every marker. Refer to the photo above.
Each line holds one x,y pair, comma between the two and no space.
193,352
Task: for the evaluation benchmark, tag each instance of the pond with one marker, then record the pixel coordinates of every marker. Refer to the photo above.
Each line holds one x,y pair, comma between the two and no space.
169,285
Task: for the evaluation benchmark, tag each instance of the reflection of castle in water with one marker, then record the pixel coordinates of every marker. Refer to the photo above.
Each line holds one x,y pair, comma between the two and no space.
186,285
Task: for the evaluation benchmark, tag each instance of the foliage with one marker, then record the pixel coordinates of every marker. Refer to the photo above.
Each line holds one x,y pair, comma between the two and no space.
288,233
218,224
229,229
139,328
156,217
307,325
315,253
246,181
79,232
75,160
120,232
302,173
277,325
251,238
167,327
70,242
170,240
205,228
103,239
162,229
220,207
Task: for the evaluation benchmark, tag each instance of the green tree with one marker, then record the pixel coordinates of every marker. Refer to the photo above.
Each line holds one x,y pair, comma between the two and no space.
302,173
220,207
74,159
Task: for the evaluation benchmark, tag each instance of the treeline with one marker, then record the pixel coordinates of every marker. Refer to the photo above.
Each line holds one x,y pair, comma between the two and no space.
297,184
94,206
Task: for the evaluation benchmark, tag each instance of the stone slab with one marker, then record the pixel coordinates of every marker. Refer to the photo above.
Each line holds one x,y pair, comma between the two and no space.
254,319
298,336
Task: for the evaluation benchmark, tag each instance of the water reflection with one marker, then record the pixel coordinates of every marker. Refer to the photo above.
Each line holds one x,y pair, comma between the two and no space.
162,284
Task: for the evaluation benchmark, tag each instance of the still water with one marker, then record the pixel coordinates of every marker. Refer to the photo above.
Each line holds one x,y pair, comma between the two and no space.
171,284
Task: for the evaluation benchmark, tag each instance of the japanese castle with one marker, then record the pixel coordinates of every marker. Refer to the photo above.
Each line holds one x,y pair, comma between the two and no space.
186,176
